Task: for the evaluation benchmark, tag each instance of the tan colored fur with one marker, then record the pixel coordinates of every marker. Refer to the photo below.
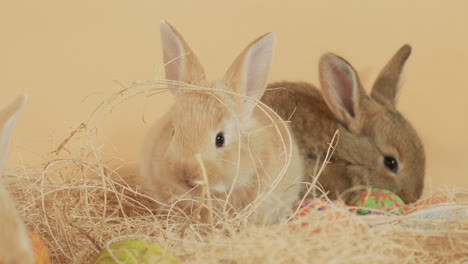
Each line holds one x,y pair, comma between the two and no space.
15,246
377,129
248,164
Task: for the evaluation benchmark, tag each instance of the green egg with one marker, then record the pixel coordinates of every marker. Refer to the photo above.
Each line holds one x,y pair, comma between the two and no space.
133,252
380,200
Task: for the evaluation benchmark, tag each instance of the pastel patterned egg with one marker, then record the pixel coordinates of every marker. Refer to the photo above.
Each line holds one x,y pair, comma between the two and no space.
442,216
313,205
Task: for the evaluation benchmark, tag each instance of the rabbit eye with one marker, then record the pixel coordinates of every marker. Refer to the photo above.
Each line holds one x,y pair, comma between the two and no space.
391,163
220,139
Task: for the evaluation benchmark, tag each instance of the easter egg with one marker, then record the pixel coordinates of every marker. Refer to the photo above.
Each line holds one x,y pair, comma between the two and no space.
313,205
428,202
437,217
41,253
320,216
133,252
378,201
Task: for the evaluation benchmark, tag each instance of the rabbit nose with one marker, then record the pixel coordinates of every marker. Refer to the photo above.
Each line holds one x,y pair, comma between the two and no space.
190,183
191,179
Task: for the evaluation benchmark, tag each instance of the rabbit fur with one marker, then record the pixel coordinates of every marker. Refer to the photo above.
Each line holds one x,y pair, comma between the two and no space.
255,171
15,245
377,145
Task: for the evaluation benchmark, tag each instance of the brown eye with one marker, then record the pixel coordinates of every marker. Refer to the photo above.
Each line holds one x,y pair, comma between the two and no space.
391,163
219,140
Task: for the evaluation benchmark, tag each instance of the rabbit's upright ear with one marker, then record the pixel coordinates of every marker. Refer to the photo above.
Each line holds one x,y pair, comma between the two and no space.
248,74
388,82
181,64
341,87
8,117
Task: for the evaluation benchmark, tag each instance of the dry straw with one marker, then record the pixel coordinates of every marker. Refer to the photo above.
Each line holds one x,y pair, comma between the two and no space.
79,205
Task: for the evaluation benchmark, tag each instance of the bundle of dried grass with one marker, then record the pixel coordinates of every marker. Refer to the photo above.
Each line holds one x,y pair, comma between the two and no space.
80,205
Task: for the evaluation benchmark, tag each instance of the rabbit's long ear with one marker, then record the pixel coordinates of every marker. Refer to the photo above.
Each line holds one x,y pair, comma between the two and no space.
8,117
181,64
248,74
341,87
387,84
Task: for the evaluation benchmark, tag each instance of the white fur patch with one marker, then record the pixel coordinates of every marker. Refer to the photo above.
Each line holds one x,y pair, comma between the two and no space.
25,242
219,188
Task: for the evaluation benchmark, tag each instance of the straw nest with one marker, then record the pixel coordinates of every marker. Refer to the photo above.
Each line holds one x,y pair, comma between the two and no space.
79,205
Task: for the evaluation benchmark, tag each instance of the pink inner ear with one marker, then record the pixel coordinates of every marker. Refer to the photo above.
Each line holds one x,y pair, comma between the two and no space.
172,52
257,66
343,84
257,69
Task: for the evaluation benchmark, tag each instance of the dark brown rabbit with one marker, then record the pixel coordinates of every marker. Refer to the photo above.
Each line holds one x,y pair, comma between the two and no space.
377,146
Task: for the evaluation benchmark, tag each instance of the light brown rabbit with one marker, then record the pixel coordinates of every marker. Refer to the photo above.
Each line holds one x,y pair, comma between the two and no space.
377,146
232,136
15,246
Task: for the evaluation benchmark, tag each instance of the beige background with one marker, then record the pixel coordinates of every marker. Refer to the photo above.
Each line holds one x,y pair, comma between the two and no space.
62,51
